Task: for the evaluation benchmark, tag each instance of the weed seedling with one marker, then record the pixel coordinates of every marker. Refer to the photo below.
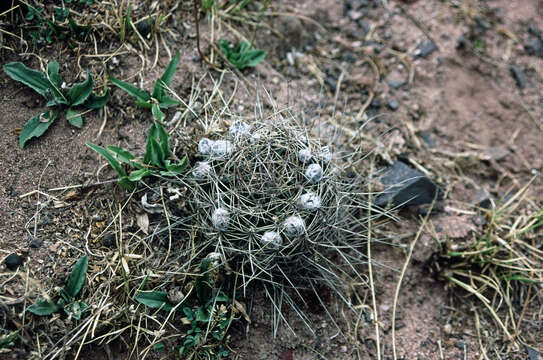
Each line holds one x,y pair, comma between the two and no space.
242,55
157,99
67,300
49,85
156,160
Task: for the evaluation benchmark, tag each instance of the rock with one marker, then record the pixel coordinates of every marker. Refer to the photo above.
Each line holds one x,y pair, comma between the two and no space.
534,47
144,27
427,138
331,82
348,57
482,199
396,83
425,48
519,75
36,243
354,15
405,186
479,220
109,240
532,353
393,105
13,261
366,26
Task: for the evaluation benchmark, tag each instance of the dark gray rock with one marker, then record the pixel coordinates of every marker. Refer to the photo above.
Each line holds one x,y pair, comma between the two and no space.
109,240
427,138
396,83
405,186
393,105
36,243
519,75
534,47
144,27
13,261
331,82
425,48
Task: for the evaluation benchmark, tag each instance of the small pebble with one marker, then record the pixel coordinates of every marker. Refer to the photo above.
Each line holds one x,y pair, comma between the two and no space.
13,261
108,240
36,243
425,48
393,105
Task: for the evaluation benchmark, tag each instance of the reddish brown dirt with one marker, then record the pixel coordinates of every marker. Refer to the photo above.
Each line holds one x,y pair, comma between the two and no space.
486,132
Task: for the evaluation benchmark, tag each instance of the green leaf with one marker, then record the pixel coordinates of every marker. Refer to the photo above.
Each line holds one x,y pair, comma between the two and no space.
36,80
139,94
36,126
126,184
122,154
155,300
157,114
111,160
167,102
8,340
78,31
176,169
164,140
137,175
53,75
76,309
226,48
74,118
43,308
77,277
201,283
97,101
253,58
154,153
80,92
165,79
143,104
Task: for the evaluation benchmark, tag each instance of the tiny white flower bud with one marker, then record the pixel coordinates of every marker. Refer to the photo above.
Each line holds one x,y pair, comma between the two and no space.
214,256
271,239
204,146
221,148
310,201
304,156
294,226
313,173
220,219
239,128
201,170
325,155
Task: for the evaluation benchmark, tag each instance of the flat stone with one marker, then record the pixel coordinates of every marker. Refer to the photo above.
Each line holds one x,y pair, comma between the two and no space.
13,261
427,138
534,47
396,83
425,48
36,243
532,353
393,105
519,75
405,186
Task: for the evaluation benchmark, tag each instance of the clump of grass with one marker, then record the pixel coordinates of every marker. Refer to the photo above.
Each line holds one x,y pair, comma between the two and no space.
501,267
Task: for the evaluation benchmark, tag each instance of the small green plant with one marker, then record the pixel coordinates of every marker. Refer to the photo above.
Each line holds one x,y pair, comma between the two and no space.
208,317
67,299
242,55
8,340
49,85
156,161
158,99
45,29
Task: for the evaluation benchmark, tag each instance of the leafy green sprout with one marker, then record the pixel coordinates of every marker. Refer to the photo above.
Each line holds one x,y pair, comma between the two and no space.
156,160
158,98
209,317
242,55
49,85
67,299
